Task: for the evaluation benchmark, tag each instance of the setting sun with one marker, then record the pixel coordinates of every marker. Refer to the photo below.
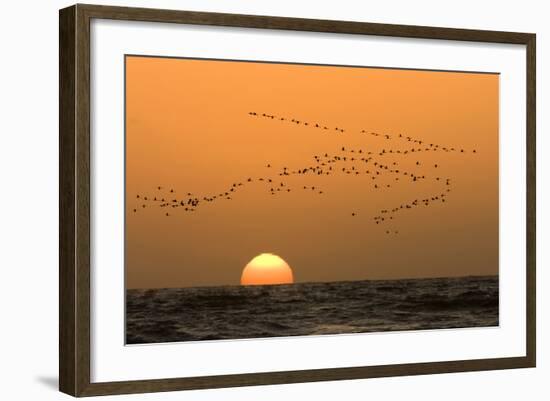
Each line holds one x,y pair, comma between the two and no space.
267,268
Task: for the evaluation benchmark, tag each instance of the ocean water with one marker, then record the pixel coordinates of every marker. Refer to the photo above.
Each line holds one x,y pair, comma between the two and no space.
233,312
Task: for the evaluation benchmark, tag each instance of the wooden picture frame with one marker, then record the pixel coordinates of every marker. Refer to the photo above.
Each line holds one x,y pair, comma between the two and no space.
74,203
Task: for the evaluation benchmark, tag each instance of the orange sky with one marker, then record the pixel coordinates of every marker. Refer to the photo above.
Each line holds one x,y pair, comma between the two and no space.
188,129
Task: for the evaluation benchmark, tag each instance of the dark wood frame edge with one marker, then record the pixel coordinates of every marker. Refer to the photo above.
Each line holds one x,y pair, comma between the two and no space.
74,199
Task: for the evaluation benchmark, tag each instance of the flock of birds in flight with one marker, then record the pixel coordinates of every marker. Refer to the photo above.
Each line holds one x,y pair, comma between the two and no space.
350,161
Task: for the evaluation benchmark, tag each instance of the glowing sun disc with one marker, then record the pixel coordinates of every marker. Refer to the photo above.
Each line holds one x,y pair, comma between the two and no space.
267,268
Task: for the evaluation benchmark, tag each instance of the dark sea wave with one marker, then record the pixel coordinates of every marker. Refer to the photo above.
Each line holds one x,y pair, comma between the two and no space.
232,312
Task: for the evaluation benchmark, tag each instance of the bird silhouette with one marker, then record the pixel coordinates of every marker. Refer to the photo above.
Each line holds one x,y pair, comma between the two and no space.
322,167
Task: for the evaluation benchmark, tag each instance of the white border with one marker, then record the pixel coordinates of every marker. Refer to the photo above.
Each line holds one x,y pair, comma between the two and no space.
112,361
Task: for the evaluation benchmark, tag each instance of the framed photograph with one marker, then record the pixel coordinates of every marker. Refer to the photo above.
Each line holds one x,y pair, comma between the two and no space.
250,200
